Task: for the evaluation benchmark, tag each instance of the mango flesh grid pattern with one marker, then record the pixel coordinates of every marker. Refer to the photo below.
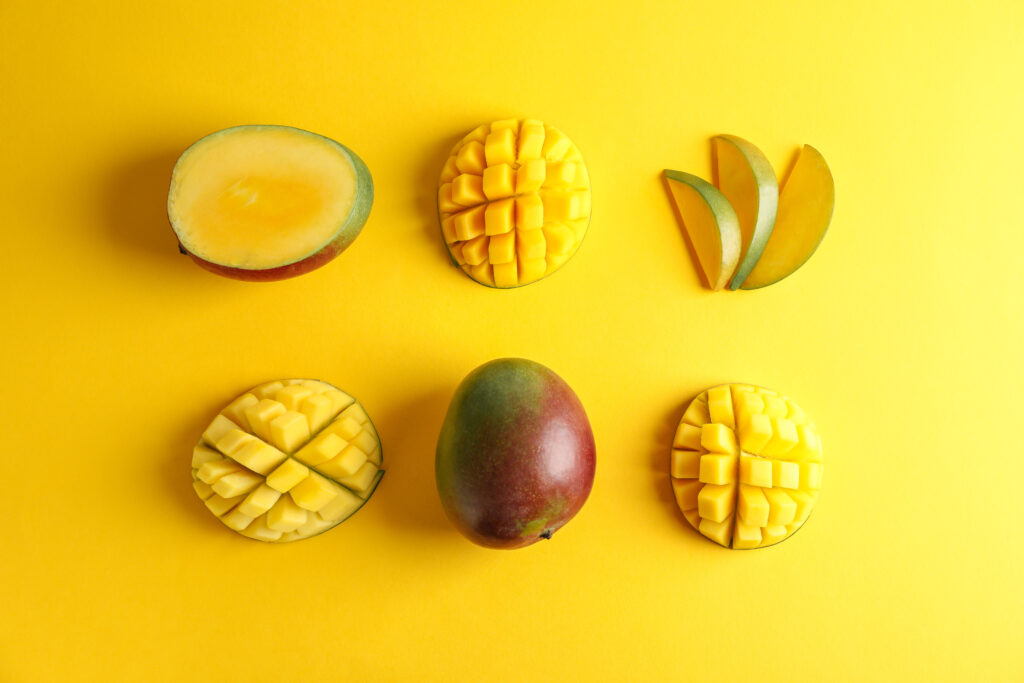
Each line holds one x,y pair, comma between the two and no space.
746,466
287,460
514,202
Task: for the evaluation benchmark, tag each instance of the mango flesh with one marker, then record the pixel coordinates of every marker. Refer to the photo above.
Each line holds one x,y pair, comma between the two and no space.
746,466
516,456
513,201
287,460
711,224
267,202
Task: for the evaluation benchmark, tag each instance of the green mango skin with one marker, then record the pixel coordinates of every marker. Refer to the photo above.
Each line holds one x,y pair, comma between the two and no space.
516,455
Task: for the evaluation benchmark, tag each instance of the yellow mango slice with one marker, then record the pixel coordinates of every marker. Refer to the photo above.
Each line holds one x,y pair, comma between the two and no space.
717,469
710,223
806,201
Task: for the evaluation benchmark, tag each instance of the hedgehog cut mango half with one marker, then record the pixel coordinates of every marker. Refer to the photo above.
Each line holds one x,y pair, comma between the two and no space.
287,460
514,202
746,466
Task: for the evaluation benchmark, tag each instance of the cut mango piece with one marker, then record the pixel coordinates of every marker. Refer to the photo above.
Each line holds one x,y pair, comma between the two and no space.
769,492
526,178
710,222
325,428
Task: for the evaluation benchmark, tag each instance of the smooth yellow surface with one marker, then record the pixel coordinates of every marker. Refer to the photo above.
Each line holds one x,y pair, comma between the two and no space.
261,196
900,337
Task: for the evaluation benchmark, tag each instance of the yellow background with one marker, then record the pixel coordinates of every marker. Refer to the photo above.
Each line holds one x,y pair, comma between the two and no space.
901,337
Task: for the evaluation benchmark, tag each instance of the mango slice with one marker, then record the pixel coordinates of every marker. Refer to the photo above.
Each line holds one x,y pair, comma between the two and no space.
514,202
711,224
752,486
287,460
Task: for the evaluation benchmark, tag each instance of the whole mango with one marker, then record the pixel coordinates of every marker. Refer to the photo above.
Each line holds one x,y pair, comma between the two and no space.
516,456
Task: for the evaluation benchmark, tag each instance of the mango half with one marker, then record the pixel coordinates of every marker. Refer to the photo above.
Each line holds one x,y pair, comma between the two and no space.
746,466
287,460
514,202
267,202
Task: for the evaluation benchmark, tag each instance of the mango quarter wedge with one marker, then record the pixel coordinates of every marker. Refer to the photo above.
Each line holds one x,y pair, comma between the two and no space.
711,224
805,210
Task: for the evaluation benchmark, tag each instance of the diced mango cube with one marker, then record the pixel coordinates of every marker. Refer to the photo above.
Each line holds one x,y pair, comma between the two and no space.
502,249
500,146
746,535
313,492
687,436
810,475
471,158
753,505
506,274
804,504
718,438
262,414
345,464
212,471
259,501
342,505
470,223
716,502
775,406
234,441
345,426
481,273
530,244
556,144
456,251
560,238
339,400
719,532
795,413
217,429
531,141
530,176
260,531
202,455
531,270
717,469
322,448
693,517
499,181
219,505
697,413
449,170
785,474
448,230
318,411
808,446
560,174
445,204
292,396
511,124
579,228
782,508
720,406
755,471
478,134
268,389
686,464
237,520
686,492
773,533
203,490
285,515
259,456
468,190
236,483
784,437
361,480
529,212
288,474
755,432
747,403
289,430
236,409
475,250
561,206
499,217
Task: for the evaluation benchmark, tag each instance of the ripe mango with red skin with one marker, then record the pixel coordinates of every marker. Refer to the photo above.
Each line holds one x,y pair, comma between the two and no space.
516,456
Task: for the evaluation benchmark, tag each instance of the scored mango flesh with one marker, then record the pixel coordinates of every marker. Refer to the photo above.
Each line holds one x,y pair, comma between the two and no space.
746,466
514,202
287,460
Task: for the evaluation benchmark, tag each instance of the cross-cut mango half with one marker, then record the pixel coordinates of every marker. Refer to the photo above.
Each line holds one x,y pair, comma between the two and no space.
746,466
514,202
267,202
287,460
